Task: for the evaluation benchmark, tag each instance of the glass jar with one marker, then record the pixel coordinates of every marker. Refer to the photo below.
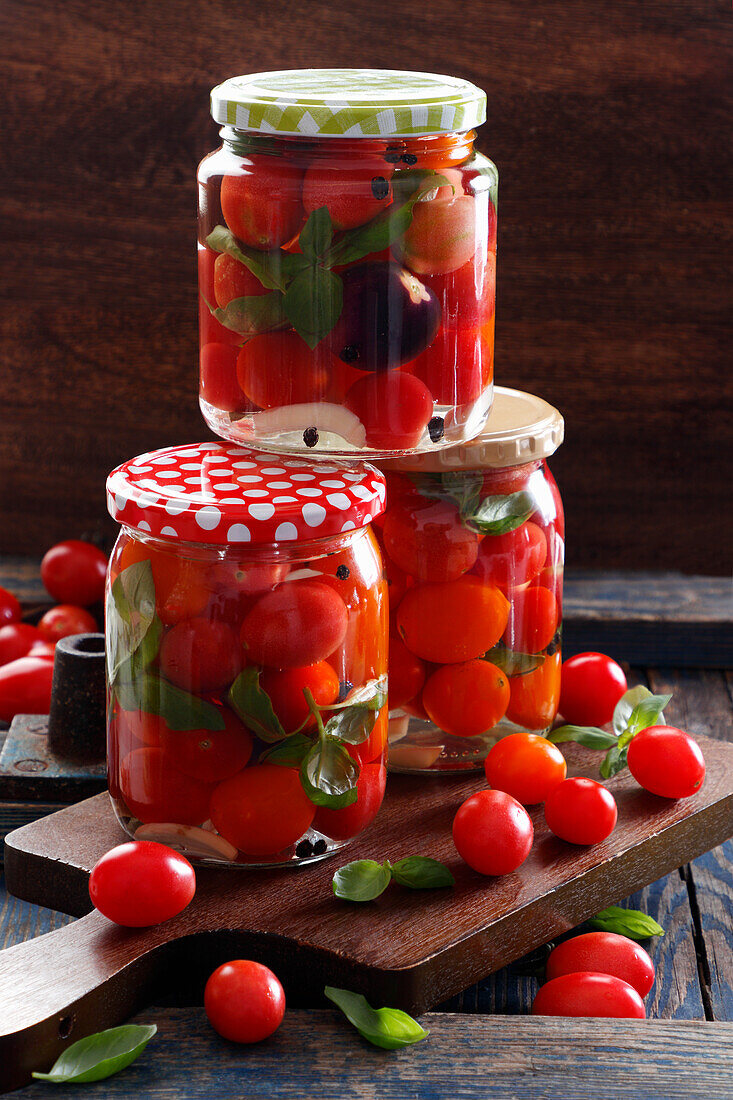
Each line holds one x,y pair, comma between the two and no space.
473,542
347,263
246,653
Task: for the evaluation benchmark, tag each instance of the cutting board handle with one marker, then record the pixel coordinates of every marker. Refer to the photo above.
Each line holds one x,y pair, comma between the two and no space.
57,988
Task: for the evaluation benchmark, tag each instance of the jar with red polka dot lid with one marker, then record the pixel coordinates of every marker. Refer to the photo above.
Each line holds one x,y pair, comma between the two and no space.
246,653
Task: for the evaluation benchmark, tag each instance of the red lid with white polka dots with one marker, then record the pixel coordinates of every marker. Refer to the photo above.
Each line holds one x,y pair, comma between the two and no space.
225,494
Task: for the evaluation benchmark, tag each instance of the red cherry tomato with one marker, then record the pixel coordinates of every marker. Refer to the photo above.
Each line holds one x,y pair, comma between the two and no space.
452,621
354,191
25,687
278,368
233,280
219,383
10,610
244,1001
286,690
526,766
199,655
47,650
262,810
493,833
406,674
442,235
300,623
533,618
211,331
182,585
17,640
209,755
458,365
64,620
514,558
263,206
393,407
588,994
467,294
603,953
347,822
666,761
155,791
466,699
534,696
427,539
141,883
590,687
74,572
581,811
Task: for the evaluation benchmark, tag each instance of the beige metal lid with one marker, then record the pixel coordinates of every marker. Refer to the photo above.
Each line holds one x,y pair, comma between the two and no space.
521,428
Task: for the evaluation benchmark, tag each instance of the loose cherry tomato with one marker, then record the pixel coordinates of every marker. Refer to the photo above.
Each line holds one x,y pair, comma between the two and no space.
17,640
603,953
453,621
394,408
141,883
427,539
591,686
10,610
514,558
535,695
526,766
74,572
353,191
199,655
263,206
182,587
64,620
466,699
244,1001
219,382
262,810
154,789
581,811
458,365
347,822
493,833
533,617
588,994
666,761
278,368
47,650
300,623
286,690
25,687
406,674
233,280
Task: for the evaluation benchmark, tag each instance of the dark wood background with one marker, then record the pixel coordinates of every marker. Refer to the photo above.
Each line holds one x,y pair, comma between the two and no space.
609,121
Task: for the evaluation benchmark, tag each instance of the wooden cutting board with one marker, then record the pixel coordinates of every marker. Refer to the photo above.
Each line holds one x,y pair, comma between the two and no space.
408,949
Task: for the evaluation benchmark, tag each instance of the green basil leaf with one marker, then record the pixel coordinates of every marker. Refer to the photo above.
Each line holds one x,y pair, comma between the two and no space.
273,269
254,706
130,615
614,761
253,313
151,694
590,736
626,922
421,873
144,655
465,489
636,710
352,725
625,706
389,1028
497,515
313,303
100,1055
362,880
329,775
514,664
649,712
316,235
290,752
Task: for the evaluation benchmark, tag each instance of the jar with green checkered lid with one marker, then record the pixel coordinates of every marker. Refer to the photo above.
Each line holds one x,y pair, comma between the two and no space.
347,263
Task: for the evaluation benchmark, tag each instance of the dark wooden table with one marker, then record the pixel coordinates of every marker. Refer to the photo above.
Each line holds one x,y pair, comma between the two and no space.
483,1043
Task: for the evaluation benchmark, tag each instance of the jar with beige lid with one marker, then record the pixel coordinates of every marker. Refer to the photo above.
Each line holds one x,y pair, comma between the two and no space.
473,541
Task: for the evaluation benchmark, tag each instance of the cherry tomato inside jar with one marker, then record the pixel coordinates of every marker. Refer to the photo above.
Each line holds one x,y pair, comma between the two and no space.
353,190
513,558
453,621
155,790
428,540
588,994
534,696
603,953
244,1001
591,686
493,833
666,761
263,206
349,820
394,408
581,811
299,623
286,689
466,699
262,810
141,883
526,766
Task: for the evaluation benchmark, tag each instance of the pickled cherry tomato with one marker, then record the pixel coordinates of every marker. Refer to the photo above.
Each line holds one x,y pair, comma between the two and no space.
453,621
466,295
442,235
397,583
535,695
354,191
286,690
219,382
154,789
514,558
406,674
233,280
393,407
263,206
533,618
199,655
278,368
181,585
262,810
211,755
211,330
512,479
427,539
466,699
458,365
526,766
375,745
300,623
347,822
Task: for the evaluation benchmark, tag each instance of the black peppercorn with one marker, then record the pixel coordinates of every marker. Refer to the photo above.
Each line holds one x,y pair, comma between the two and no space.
349,354
310,437
393,158
436,428
554,645
409,158
380,187
342,572
319,847
303,849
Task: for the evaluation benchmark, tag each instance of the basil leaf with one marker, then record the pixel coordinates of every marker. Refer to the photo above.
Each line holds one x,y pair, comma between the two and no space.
590,736
649,712
613,762
253,313
352,725
636,710
145,653
421,873
498,515
253,705
130,616
362,880
626,922
316,235
100,1055
290,752
465,489
273,269
389,1028
514,664
626,704
329,775
313,303
181,711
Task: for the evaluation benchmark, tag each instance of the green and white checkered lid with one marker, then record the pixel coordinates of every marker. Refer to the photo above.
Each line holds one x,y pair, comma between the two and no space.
351,103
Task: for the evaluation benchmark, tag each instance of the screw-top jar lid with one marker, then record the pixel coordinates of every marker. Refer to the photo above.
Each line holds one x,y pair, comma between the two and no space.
224,494
521,428
353,103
